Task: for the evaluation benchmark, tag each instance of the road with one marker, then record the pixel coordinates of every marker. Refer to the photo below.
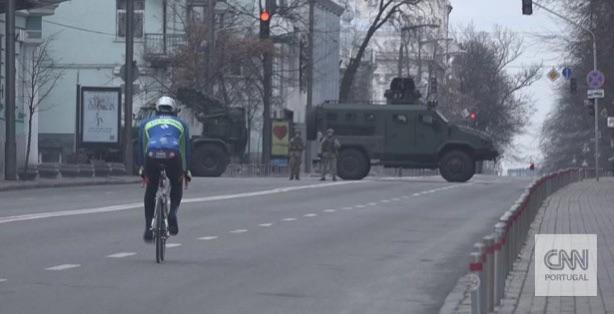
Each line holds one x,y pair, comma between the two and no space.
268,245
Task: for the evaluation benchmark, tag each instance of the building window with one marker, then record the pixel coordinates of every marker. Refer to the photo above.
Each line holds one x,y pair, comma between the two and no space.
139,14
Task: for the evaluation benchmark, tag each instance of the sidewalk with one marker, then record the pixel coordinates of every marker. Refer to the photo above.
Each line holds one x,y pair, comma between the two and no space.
585,207
66,182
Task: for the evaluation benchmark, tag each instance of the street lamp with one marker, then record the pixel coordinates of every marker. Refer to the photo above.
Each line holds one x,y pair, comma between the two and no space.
596,101
404,40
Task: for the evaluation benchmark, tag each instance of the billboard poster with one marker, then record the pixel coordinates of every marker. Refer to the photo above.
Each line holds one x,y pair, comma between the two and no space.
281,138
100,115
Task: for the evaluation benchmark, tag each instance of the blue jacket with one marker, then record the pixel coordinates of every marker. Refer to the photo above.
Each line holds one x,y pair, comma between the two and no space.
164,132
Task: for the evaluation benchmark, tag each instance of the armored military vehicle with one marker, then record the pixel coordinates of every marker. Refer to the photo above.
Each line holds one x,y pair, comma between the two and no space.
224,132
404,133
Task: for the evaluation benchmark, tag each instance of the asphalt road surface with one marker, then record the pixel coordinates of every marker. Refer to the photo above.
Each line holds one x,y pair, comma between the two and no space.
266,245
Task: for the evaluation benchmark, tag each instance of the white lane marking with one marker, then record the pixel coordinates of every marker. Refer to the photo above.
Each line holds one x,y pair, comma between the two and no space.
416,194
385,201
396,199
289,219
310,215
63,267
171,245
347,208
129,206
372,204
329,210
239,231
360,206
3,279
121,254
266,225
209,238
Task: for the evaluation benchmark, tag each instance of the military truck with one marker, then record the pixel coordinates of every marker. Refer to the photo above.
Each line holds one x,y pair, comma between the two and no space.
403,133
224,132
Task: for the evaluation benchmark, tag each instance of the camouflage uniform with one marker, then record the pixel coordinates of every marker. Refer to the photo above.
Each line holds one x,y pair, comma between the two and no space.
295,154
330,148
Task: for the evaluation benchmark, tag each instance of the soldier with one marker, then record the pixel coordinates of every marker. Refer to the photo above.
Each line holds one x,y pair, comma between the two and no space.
296,154
329,147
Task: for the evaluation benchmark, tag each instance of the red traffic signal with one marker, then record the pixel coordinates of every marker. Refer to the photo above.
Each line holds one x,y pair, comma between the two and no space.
473,116
265,16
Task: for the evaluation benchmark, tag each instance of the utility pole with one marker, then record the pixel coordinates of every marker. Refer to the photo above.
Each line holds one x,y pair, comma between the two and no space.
309,82
267,86
527,10
210,45
10,146
128,83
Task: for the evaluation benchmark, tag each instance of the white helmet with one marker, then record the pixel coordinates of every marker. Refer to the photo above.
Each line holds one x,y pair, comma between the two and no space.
166,104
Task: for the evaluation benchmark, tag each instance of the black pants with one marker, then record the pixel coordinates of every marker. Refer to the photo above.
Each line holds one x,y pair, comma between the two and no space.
174,172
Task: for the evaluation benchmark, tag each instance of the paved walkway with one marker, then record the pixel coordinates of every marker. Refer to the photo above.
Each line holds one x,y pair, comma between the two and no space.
49,183
584,207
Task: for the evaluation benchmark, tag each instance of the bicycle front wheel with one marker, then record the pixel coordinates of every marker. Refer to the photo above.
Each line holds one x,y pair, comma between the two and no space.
159,234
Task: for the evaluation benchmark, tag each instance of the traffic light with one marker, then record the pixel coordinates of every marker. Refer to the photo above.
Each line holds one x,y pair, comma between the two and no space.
473,116
265,20
573,85
527,7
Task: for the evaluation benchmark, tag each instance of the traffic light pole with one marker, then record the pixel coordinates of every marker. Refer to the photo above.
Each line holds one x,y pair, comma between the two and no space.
267,82
308,147
596,101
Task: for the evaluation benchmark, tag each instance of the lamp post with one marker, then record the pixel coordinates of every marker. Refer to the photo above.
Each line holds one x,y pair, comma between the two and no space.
596,101
405,30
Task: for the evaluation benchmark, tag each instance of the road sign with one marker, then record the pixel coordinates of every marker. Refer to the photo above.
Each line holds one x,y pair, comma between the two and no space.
135,72
567,73
553,75
610,122
595,93
595,79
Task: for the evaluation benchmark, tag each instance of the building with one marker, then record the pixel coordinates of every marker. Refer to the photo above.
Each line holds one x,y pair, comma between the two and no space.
29,32
87,37
415,45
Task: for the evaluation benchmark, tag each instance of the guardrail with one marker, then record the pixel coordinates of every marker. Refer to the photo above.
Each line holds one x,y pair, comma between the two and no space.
493,257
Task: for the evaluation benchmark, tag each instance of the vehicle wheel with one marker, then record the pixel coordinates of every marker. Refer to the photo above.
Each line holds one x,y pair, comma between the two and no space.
457,166
209,161
352,164
159,239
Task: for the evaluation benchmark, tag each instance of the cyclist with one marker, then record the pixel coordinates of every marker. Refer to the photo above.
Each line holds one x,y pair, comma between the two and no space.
164,132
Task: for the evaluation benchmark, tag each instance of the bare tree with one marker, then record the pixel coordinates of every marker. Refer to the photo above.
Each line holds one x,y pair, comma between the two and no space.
385,10
41,77
482,82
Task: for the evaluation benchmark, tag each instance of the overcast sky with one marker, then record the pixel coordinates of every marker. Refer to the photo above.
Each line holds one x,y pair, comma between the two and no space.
485,14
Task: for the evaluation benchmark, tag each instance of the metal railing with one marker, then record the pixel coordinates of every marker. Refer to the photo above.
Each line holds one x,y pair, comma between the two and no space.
492,259
156,45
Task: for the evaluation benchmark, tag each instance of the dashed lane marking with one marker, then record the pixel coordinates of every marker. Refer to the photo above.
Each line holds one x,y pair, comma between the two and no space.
347,208
130,206
266,225
239,231
121,254
329,210
171,245
62,267
208,238
310,215
3,279
372,204
396,199
385,201
289,219
360,206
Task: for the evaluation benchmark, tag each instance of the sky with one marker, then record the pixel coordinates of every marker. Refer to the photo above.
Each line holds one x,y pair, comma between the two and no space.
484,15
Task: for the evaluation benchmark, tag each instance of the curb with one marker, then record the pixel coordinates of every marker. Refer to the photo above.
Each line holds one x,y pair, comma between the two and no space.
60,183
